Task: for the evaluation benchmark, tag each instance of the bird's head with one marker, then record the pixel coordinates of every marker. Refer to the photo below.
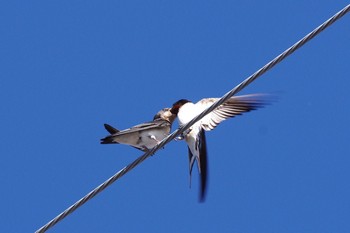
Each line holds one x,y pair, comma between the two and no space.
177,105
165,114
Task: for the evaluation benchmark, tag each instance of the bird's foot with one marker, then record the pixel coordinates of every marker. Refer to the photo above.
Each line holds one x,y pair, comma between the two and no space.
179,138
182,136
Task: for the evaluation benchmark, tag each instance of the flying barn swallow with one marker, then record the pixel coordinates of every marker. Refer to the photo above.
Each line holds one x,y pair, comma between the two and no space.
144,136
195,137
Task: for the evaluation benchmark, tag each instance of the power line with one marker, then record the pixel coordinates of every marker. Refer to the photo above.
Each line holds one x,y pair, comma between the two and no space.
179,131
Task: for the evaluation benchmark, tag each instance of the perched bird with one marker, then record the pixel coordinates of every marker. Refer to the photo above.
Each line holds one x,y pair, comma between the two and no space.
185,110
144,136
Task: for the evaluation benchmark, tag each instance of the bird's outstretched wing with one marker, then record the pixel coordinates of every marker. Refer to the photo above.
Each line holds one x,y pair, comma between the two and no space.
234,106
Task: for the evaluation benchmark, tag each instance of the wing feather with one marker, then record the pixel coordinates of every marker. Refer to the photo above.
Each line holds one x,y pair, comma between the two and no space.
234,106
144,126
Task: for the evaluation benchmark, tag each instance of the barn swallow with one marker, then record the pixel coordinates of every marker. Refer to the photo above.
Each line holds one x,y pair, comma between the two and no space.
144,136
185,110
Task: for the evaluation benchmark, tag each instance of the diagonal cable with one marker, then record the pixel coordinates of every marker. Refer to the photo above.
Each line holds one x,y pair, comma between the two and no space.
179,131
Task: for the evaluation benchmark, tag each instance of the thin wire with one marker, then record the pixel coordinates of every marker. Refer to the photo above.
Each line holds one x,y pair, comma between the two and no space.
179,131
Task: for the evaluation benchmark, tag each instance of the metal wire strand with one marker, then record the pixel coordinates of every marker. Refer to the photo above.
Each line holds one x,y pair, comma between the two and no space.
179,131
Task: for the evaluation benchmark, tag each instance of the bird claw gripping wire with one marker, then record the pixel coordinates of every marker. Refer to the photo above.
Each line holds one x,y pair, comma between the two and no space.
182,136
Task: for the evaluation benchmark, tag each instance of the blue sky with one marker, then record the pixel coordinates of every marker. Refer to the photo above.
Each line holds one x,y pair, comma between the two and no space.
67,67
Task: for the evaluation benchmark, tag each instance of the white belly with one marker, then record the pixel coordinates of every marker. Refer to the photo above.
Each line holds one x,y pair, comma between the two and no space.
186,113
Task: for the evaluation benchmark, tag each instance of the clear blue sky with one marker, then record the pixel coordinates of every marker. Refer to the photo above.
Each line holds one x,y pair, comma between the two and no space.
67,67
